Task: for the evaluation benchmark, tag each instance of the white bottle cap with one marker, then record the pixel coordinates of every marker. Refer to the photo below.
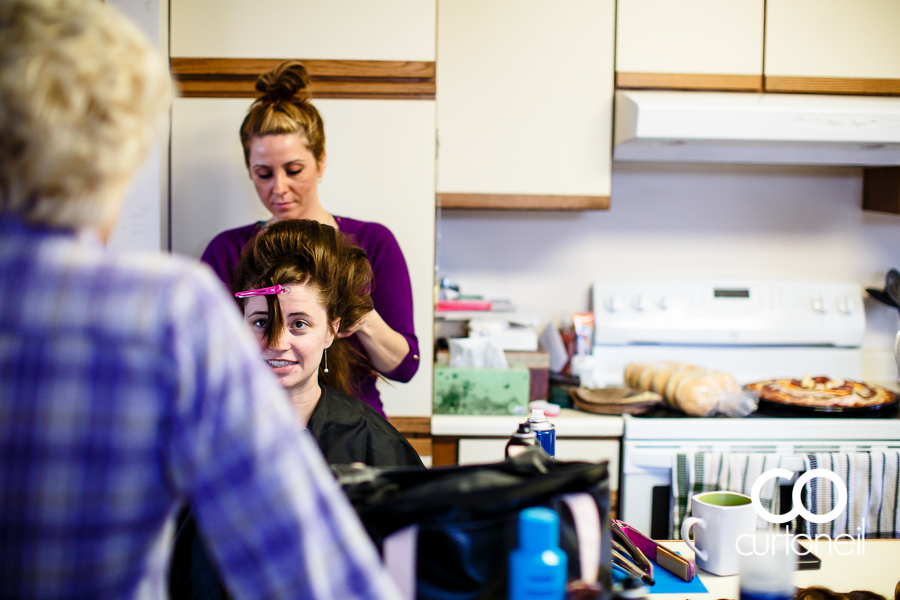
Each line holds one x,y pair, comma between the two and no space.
537,414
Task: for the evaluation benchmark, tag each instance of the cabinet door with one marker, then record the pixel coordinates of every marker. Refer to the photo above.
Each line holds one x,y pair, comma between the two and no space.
380,168
309,29
488,450
833,46
524,96
690,44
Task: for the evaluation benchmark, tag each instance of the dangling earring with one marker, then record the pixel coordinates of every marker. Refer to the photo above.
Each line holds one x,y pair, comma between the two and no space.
326,360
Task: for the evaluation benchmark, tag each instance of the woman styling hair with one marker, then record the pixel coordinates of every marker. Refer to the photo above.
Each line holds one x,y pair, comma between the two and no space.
300,283
283,137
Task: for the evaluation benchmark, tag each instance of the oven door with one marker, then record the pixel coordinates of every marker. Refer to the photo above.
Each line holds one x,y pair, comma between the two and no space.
646,488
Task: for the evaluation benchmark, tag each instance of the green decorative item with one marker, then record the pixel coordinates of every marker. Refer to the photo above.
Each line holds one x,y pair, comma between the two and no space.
477,391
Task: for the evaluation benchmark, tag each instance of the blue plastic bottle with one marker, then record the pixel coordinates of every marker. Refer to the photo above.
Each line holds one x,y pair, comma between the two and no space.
538,568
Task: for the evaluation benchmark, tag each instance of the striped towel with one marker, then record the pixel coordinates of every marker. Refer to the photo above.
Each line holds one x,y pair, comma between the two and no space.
873,491
697,472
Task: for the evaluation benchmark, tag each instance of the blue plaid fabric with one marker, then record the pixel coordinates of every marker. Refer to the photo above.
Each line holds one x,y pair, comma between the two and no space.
129,386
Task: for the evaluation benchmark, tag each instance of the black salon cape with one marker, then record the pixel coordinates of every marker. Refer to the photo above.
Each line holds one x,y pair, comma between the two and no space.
347,430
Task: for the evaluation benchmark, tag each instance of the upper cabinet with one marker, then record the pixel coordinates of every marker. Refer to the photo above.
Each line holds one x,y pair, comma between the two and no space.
387,30
690,44
800,46
524,101
352,48
833,46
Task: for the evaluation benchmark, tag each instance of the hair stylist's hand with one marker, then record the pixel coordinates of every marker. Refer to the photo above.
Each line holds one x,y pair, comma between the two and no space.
386,348
345,333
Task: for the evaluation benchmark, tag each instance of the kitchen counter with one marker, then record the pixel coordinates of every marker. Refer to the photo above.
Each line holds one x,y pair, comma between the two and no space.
876,568
569,423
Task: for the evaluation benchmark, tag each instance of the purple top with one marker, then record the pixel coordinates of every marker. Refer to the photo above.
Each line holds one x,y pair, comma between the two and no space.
391,289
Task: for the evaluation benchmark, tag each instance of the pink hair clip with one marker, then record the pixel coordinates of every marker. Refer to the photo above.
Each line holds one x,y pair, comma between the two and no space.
275,289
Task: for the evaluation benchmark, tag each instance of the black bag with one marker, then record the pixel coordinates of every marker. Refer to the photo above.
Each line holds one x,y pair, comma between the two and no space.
466,517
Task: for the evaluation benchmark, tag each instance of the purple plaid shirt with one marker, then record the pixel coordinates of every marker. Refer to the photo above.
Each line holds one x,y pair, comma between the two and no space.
128,386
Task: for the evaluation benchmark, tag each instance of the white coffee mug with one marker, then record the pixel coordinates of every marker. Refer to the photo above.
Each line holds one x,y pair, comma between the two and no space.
722,517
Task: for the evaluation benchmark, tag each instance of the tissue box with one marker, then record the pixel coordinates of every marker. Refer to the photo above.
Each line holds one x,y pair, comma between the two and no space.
537,363
477,391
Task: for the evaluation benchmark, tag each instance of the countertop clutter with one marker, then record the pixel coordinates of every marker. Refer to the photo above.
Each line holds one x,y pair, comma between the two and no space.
874,567
569,423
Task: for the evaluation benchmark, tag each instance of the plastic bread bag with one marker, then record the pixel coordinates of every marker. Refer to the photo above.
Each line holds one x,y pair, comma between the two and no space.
738,404
703,392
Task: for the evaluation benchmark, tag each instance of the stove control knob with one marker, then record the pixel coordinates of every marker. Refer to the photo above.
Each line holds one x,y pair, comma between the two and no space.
614,303
640,303
818,305
845,306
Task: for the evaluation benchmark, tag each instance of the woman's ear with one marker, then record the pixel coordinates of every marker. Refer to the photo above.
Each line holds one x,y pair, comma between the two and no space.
335,327
322,163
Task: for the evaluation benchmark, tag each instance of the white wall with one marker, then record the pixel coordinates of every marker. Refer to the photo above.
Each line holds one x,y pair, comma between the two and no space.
680,220
143,221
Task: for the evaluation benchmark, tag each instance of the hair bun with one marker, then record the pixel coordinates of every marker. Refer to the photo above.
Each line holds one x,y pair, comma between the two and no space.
286,82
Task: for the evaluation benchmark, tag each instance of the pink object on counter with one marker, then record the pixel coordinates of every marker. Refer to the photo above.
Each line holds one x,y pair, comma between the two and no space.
448,305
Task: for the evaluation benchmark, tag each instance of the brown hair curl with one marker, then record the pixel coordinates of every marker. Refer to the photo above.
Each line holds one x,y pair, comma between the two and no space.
284,107
308,252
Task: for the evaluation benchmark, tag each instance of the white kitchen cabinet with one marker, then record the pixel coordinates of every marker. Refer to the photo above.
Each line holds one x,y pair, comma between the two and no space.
524,97
833,38
380,168
698,37
487,450
387,30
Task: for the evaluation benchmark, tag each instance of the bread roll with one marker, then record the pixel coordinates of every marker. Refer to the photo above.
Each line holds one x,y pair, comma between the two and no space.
661,378
632,374
688,388
726,381
674,380
646,377
697,394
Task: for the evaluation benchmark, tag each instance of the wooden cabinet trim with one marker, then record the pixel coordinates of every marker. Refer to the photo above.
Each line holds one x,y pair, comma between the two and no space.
369,79
832,85
422,446
444,451
411,424
520,202
690,81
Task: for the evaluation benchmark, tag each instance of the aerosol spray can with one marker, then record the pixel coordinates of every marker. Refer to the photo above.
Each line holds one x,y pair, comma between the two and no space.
523,438
543,430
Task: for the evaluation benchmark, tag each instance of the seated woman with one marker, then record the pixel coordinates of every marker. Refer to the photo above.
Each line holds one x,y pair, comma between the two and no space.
301,285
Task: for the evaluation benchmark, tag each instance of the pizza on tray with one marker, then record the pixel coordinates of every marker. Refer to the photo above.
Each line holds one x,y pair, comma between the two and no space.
822,392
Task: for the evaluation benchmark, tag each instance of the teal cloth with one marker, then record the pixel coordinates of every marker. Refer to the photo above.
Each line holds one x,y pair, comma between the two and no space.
669,583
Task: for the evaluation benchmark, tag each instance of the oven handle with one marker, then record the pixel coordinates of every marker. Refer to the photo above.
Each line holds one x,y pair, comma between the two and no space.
663,460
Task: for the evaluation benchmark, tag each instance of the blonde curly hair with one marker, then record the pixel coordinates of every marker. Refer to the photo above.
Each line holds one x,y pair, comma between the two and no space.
82,92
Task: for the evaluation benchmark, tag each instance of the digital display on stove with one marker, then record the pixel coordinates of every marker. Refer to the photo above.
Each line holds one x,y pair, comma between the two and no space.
731,293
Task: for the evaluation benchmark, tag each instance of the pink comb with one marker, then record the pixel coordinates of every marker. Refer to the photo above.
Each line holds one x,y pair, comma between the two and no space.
267,291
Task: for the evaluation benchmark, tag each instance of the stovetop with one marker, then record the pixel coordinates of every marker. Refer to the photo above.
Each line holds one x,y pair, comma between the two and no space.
664,425
767,412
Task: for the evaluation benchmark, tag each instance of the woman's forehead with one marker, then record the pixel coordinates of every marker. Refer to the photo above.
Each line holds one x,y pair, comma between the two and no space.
303,298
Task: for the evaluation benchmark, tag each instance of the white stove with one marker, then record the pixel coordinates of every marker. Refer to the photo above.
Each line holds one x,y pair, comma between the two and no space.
754,329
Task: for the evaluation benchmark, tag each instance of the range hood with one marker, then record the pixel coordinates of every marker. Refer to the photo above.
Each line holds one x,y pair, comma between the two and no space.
723,127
